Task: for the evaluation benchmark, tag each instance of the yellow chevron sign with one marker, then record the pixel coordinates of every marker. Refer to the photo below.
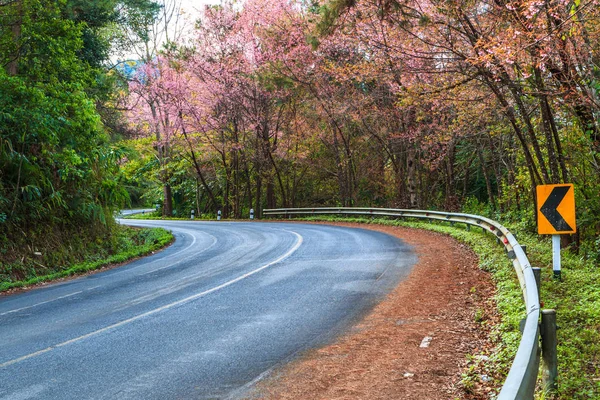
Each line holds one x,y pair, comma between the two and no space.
556,209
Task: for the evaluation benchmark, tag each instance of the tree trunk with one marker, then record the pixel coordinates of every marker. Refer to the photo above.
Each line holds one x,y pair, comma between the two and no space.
258,198
236,184
509,111
547,125
451,200
271,203
12,68
486,176
411,178
168,201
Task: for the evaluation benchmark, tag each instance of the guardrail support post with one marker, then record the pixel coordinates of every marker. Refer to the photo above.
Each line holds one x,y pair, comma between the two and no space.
549,354
537,273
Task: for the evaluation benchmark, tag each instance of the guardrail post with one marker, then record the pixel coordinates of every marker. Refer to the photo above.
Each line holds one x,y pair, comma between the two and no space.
537,273
549,353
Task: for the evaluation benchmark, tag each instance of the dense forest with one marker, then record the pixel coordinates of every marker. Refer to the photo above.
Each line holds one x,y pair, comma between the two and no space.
464,105
252,104
454,105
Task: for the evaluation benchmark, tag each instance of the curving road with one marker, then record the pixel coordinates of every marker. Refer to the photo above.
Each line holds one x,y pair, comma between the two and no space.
203,319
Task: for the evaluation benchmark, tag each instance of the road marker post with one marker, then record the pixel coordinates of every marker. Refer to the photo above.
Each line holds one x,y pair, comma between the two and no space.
252,213
556,257
537,273
219,215
192,216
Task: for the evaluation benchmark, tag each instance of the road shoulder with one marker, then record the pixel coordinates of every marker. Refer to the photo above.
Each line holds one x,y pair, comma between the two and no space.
413,345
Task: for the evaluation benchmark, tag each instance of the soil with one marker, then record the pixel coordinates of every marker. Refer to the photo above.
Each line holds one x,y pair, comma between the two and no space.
413,345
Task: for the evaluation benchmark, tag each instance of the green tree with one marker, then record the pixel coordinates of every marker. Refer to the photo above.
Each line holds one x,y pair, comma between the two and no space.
57,166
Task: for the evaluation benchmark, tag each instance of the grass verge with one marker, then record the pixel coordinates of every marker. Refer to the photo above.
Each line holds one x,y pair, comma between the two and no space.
131,243
158,215
576,299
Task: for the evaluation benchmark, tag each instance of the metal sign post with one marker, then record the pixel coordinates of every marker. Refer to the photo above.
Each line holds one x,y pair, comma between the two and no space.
556,256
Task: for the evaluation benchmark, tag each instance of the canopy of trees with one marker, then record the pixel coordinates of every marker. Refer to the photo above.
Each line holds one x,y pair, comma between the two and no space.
267,103
429,104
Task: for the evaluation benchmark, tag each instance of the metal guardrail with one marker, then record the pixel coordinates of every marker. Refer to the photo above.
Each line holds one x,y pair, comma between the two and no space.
521,380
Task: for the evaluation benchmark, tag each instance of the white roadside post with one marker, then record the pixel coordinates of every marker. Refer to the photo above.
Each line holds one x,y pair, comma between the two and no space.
219,215
192,215
556,256
252,213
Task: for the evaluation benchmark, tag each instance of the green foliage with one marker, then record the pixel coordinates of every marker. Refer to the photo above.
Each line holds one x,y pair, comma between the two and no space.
56,164
330,14
59,173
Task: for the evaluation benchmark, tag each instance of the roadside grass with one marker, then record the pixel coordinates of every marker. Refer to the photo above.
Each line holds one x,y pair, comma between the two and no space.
576,299
131,243
158,215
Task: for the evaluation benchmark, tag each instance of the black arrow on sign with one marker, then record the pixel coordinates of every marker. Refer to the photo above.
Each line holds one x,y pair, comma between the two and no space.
551,204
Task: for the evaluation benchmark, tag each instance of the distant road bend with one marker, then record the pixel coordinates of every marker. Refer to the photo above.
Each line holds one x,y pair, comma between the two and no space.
203,319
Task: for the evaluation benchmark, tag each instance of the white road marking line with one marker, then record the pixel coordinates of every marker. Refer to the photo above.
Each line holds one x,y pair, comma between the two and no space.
124,271
152,262
296,246
30,392
48,301
183,259
39,304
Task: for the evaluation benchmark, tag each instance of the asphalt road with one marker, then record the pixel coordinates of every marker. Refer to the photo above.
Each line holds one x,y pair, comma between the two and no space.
203,319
